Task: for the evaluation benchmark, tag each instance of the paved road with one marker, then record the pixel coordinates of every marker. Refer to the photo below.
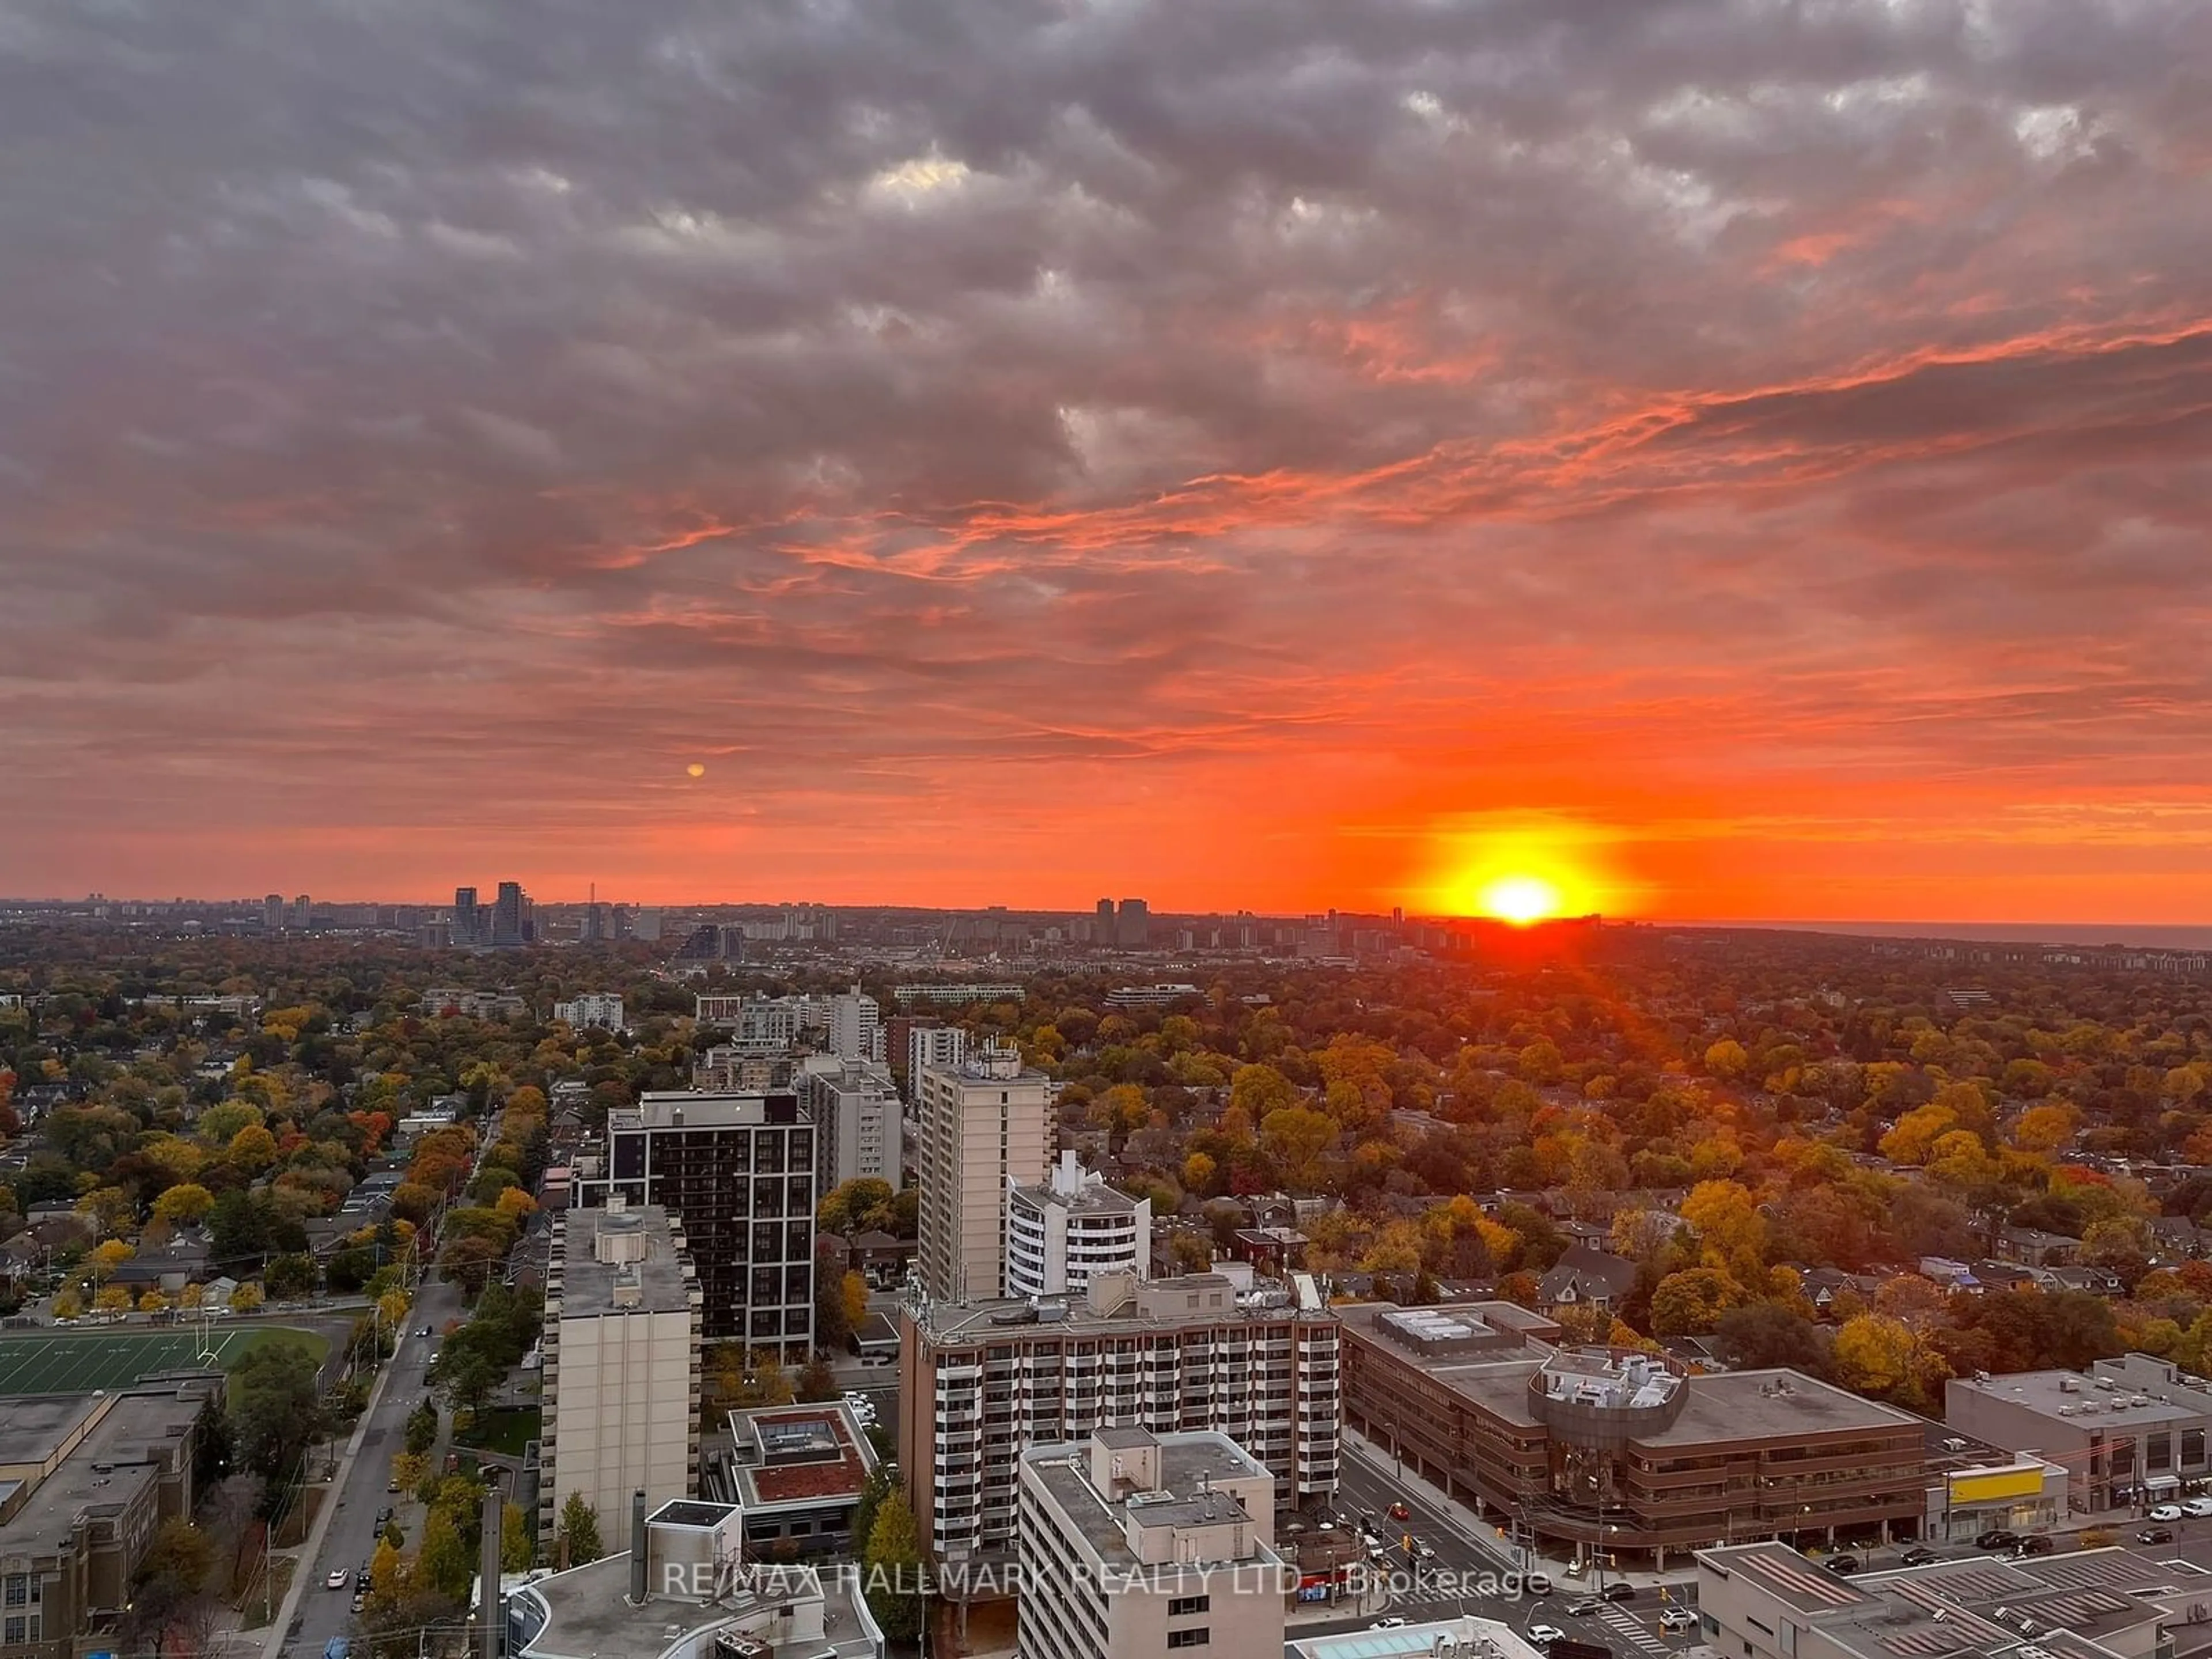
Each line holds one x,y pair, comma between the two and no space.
1630,1629
349,1537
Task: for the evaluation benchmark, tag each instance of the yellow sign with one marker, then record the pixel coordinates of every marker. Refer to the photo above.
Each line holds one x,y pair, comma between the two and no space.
2005,1483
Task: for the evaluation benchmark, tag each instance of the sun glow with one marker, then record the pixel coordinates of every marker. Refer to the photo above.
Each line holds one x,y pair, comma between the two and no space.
1521,900
1523,868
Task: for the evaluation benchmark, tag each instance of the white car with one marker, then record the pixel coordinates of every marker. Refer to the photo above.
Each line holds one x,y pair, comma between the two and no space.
1678,1618
2166,1512
2197,1506
338,1580
1543,1635
1393,1622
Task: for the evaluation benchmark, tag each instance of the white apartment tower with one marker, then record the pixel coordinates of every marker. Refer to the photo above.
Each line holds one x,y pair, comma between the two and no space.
1134,1544
985,1123
621,1376
856,1029
854,1108
1058,1236
758,1025
930,1045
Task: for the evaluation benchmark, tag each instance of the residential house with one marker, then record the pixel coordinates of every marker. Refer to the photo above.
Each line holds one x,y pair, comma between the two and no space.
1585,1278
2032,1246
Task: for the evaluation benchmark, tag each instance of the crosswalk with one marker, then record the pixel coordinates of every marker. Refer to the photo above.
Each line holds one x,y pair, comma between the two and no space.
1625,1626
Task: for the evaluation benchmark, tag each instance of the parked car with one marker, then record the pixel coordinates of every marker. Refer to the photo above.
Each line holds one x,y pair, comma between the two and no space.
1393,1622
1920,1555
2155,1535
1583,1606
1619,1592
361,1580
1678,1618
2166,1512
1543,1636
1842,1563
2197,1506
2036,1543
1998,1539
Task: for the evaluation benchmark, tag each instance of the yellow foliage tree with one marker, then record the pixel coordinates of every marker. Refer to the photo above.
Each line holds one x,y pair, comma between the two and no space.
247,1298
112,1298
107,1257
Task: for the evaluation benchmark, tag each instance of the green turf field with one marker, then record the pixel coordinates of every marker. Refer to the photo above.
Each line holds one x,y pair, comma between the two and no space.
78,1362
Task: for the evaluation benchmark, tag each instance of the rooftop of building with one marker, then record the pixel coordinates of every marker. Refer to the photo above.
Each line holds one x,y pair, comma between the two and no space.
2070,1394
1071,1187
660,1277
117,1458
587,1614
701,1108
1476,1638
1979,1605
1188,1465
1156,1305
799,1455
1492,1368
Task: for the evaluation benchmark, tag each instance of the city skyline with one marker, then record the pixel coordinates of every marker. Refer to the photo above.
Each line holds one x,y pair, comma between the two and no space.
1720,462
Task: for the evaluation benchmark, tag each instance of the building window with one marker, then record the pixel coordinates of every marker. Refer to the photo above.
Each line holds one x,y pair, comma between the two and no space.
1183,1605
13,1633
18,1590
2192,1448
1190,1639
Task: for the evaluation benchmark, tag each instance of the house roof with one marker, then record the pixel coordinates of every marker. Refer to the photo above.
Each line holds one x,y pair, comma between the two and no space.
1583,1271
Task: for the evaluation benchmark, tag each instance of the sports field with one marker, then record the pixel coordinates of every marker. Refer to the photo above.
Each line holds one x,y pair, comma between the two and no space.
78,1362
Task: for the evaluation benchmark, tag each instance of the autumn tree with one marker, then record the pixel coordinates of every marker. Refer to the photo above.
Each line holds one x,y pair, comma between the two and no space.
579,1534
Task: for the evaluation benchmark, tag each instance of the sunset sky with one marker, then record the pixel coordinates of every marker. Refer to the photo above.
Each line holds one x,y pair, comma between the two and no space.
1737,458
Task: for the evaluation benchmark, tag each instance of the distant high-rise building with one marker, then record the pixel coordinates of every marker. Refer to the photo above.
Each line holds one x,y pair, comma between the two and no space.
1134,927
739,1170
593,927
647,923
986,1122
619,918
272,914
508,915
1102,927
855,1112
929,1043
856,1030
303,913
464,915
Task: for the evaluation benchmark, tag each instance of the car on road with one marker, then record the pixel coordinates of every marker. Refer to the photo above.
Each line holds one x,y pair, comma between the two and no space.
422,1330
360,1599
1619,1592
1840,1564
1541,1636
1997,1538
339,1579
361,1580
1583,1606
2166,1512
1393,1622
1401,1510
383,1515
1919,1556
2155,1535
2036,1543
1424,1550
2197,1506
1678,1618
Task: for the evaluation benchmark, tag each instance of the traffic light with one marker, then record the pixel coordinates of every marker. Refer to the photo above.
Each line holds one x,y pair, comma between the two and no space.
1500,1531
1408,1542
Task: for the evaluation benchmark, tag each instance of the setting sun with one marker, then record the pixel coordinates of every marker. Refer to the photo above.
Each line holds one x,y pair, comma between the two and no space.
1520,900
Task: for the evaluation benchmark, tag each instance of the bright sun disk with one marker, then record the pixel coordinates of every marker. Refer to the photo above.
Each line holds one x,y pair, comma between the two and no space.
1521,900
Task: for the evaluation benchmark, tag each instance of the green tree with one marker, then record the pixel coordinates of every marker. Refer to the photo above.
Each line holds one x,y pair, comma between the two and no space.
276,1412
854,1206
518,1540
580,1531
443,1561
423,1429
1691,1303
892,1568
873,1491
